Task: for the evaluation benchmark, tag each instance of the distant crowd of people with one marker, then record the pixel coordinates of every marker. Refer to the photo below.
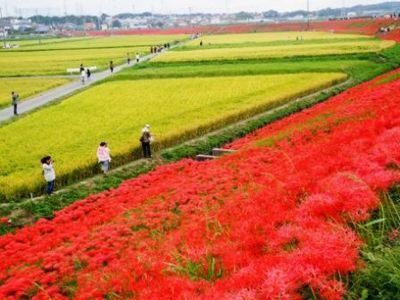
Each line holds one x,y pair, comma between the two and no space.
159,48
103,156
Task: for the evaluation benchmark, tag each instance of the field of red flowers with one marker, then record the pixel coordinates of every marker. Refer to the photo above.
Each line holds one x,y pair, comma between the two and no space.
393,35
359,26
271,221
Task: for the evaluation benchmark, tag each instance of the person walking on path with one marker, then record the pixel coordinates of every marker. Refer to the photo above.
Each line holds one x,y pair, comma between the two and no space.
88,73
14,102
128,58
112,66
81,68
83,76
137,58
103,155
49,174
146,139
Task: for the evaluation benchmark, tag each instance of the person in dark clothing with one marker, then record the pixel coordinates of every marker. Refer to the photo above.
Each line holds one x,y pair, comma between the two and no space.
128,58
146,140
14,101
111,66
81,68
88,73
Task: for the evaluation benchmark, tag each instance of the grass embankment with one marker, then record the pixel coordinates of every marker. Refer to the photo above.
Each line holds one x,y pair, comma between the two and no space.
379,275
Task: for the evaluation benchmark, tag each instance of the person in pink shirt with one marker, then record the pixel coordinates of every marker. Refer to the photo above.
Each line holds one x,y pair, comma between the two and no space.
103,155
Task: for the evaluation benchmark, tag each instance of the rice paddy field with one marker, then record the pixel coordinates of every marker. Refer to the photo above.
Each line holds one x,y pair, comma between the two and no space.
97,42
250,38
27,87
181,99
31,63
55,56
268,52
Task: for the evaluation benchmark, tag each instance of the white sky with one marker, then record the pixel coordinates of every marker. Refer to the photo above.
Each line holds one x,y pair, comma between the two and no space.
95,7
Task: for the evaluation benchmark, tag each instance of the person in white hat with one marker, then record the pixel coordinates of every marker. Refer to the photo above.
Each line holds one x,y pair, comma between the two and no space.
146,140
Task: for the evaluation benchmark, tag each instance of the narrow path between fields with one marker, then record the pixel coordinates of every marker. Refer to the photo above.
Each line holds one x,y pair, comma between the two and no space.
65,90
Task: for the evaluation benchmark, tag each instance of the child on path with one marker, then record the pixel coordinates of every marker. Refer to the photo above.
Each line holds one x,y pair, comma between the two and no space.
137,57
128,58
14,102
103,155
88,73
112,66
146,139
48,173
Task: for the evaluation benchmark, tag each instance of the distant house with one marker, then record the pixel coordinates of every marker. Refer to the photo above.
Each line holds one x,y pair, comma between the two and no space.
42,29
21,25
134,23
70,26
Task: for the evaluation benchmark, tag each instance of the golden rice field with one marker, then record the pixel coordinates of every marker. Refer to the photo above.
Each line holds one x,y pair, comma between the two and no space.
271,37
265,52
34,42
26,87
55,56
58,61
177,109
100,42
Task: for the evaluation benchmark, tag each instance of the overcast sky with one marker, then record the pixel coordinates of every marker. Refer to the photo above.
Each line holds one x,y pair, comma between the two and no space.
59,7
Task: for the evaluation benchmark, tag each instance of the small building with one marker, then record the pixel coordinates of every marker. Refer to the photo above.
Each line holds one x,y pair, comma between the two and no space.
42,29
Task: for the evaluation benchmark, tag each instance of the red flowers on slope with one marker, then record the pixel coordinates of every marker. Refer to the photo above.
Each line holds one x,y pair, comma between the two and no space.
267,222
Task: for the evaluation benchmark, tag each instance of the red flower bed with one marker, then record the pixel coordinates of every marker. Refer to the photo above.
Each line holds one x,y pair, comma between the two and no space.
267,222
392,35
360,26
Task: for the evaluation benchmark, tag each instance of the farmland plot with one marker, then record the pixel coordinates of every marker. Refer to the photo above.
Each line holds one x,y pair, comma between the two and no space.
245,53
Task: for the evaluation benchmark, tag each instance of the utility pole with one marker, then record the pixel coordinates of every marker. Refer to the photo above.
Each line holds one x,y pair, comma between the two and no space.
4,28
308,15
65,8
343,9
